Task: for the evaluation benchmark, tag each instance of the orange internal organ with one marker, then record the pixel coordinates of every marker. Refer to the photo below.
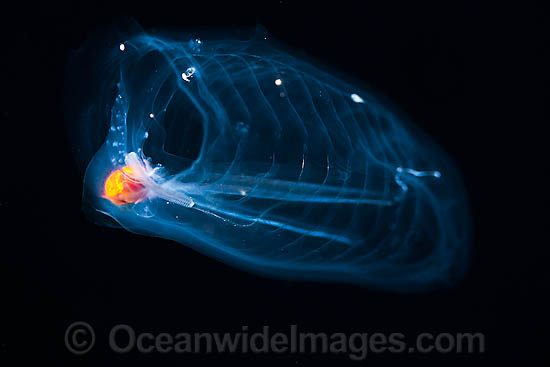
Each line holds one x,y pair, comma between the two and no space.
121,187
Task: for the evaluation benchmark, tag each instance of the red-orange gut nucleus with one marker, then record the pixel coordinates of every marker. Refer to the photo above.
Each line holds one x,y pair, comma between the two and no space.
122,187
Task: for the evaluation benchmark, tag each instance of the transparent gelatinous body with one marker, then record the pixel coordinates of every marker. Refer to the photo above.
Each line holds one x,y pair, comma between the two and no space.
246,153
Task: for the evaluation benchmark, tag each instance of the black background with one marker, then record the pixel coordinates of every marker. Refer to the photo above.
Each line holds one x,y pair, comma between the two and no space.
471,74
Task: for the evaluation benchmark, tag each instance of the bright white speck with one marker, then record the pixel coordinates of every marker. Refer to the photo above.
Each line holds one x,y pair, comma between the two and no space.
151,115
122,47
355,98
243,192
278,82
146,135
